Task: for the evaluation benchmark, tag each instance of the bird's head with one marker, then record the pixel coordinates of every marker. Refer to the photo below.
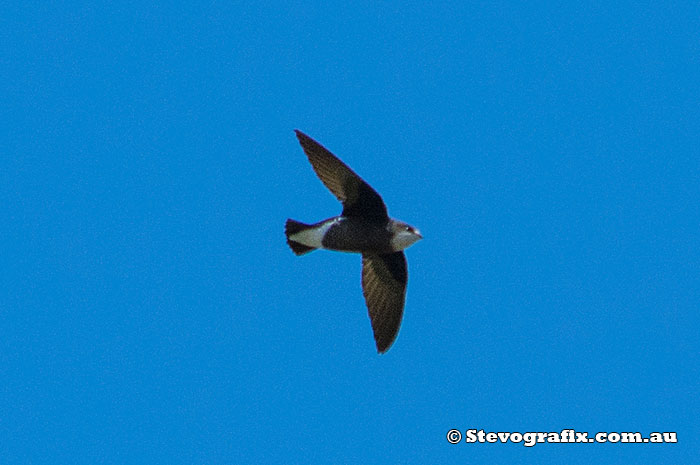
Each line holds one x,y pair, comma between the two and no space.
403,235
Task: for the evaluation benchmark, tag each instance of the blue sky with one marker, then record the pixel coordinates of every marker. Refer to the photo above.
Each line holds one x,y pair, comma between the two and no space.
151,311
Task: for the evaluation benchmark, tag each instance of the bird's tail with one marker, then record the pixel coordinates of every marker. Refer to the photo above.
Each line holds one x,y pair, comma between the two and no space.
292,227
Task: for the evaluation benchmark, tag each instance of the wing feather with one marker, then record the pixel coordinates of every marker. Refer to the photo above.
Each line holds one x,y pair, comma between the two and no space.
384,279
358,197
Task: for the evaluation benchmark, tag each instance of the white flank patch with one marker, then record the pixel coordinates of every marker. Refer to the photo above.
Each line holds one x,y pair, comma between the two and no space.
312,237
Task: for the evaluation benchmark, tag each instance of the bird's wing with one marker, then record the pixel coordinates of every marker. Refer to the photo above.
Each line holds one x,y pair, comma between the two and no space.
358,197
384,279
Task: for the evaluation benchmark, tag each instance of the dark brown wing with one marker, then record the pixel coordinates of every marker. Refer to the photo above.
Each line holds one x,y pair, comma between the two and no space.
358,197
384,279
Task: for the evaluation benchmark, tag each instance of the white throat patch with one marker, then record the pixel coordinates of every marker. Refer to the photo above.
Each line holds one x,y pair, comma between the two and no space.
403,239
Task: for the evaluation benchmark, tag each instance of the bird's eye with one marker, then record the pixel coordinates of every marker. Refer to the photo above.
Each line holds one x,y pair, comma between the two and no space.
408,228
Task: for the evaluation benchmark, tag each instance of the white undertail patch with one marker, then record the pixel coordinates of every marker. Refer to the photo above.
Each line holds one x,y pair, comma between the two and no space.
313,237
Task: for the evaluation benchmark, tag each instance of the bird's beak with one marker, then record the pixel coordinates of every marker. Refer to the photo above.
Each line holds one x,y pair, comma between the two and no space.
420,236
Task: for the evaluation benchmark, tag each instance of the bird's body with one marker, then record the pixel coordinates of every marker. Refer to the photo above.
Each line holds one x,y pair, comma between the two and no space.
363,227
349,234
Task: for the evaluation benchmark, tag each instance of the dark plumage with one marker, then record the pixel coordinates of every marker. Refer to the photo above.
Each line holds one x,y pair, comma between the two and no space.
363,227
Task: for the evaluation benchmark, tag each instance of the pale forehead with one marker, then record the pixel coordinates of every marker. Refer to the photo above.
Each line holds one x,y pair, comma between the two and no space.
400,225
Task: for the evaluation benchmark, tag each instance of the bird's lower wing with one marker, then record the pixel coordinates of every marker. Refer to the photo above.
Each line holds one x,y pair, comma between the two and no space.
384,278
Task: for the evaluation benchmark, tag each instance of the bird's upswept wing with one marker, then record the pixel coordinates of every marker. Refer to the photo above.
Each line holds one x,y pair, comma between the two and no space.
358,197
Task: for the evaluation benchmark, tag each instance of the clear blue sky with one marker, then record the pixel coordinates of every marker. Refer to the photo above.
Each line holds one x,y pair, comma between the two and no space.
150,310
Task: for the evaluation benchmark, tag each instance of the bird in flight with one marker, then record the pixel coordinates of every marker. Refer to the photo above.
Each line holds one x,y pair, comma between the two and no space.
363,227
